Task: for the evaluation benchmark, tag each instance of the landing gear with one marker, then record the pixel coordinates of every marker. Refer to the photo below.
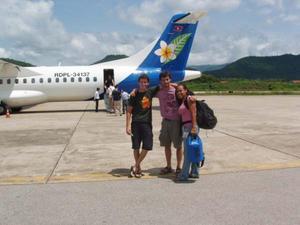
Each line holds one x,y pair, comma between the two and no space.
16,109
2,109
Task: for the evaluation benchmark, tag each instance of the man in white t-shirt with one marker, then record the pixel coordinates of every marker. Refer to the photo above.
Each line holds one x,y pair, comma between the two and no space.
97,98
110,99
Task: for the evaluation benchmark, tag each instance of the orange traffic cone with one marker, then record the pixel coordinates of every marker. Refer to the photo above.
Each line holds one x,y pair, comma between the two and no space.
7,113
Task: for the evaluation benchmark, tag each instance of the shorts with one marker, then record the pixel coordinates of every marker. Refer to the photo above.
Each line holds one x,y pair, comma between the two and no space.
142,133
170,132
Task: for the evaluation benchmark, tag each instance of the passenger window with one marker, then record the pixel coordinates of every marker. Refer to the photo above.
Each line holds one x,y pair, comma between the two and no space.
79,79
95,79
56,79
72,79
49,80
64,79
24,81
41,80
1,81
32,80
8,81
87,79
16,81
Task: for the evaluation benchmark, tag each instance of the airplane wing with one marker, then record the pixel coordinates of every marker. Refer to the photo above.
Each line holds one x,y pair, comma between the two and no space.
8,70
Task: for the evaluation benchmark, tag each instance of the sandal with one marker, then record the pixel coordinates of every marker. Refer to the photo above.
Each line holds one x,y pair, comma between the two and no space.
139,173
132,172
166,170
178,170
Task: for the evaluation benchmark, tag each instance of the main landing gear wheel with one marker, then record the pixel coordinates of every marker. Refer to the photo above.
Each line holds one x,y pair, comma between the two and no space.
2,109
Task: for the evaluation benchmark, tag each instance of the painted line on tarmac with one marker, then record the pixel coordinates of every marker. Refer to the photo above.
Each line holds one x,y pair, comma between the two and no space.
257,144
65,148
17,180
95,177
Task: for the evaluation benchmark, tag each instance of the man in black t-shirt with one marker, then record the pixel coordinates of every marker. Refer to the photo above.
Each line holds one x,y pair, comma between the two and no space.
139,123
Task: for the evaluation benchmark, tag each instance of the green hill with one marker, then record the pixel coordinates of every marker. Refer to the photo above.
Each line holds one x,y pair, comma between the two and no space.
207,67
17,62
284,67
110,58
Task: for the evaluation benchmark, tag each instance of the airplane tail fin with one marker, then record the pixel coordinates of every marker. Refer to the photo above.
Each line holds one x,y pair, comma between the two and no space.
172,49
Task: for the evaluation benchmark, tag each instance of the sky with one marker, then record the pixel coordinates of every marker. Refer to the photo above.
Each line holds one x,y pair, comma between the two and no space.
78,32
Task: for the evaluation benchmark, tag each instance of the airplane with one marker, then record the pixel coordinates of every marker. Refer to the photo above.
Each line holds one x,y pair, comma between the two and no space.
28,86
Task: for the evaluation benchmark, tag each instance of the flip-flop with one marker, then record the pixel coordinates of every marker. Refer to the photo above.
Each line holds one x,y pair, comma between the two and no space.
132,172
139,173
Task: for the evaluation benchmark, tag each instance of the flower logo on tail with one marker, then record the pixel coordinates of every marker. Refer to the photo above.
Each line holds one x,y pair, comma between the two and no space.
168,53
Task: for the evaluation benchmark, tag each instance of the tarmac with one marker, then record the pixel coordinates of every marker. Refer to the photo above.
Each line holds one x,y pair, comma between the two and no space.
69,142
63,163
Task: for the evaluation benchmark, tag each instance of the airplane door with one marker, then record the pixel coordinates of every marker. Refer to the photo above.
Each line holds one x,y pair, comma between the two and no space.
108,77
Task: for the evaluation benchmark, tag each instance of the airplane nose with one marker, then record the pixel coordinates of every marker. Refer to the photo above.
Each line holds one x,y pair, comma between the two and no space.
191,74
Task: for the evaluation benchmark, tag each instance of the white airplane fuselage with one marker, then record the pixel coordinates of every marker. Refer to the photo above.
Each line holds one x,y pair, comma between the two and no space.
26,86
62,83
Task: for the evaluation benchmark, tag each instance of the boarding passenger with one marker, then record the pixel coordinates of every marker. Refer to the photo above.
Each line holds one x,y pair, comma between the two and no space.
170,126
125,98
110,98
116,95
97,98
187,111
106,99
139,123
109,81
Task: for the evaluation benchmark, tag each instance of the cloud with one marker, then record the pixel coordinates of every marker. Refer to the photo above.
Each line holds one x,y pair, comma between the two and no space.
290,17
149,14
33,34
213,47
4,53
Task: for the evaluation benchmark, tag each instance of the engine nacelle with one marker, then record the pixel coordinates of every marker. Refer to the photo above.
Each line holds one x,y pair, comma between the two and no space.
19,98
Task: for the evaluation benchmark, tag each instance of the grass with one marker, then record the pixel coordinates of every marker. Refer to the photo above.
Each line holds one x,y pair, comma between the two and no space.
242,86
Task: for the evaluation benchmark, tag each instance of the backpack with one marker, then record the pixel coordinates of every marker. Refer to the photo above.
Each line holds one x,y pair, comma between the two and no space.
205,116
116,95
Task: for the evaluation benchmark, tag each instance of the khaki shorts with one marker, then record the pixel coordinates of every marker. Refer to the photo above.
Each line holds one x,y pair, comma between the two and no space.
170,133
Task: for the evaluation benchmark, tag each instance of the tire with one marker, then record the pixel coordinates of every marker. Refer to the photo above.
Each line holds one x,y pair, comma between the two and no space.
17,109
2,110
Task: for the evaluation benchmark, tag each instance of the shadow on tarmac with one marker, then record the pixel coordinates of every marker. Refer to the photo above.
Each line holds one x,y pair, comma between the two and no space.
152,173
59,111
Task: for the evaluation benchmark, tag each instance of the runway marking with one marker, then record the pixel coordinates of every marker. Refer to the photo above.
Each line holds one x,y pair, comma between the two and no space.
65,148
100,176
14,180
257,144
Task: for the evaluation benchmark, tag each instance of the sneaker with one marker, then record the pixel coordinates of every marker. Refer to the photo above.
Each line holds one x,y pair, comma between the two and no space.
195,176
